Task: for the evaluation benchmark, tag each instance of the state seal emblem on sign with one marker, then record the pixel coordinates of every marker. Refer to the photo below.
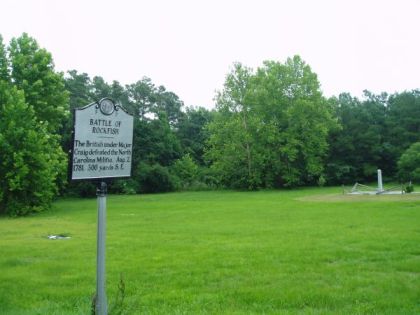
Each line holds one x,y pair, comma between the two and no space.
106,106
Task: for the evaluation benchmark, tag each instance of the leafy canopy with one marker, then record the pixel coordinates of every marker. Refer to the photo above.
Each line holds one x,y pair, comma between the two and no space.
272,126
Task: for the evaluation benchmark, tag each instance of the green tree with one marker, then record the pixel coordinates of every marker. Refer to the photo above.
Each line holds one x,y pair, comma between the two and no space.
155,142
186,170
403,121
362,145
147,101
234,149
120,95
142,97
169,103
79,86
99,89
192,132
32,71
272,127
4,62
155,149
30,156
154,178
33,104
409,164
288,97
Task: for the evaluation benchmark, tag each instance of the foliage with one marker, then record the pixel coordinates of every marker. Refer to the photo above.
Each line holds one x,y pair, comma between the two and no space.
192,132
155,142
409,188
272,127
233,152
33,106
403,120
147,101
233,141
186,170
356,148
402,124
154,178
79,87
32,71
30,157
124,186
409,164
375,132
142,96
4,62
81,188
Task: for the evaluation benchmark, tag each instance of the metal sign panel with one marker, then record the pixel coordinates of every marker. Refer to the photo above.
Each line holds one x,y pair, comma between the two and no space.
103,141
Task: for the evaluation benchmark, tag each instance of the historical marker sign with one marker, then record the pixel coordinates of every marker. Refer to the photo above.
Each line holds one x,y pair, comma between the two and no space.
103,141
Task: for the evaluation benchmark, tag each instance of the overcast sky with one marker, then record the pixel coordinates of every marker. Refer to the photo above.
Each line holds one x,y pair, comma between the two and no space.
189,46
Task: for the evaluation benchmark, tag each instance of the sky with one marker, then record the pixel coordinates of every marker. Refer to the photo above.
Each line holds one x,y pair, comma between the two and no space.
189,46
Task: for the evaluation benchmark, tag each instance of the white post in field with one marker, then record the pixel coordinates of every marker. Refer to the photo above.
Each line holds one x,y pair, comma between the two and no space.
380,186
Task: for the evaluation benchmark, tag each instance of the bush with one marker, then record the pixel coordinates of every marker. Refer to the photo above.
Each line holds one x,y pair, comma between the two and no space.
186,170
30,157
124,186
409,188
409,164
321,181
84,189
154,178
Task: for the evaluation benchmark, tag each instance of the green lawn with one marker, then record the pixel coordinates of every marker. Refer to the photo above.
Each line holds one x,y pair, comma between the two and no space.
308,251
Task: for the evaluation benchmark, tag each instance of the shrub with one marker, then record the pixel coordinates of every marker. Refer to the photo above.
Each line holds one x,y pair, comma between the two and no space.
409,188
186,170
30,157
154,178
124,186
409,164
82,189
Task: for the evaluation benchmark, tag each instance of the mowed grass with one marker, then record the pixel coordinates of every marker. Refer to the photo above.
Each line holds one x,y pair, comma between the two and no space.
307,251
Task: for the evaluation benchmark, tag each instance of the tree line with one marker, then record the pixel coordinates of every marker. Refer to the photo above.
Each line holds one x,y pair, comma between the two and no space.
272,127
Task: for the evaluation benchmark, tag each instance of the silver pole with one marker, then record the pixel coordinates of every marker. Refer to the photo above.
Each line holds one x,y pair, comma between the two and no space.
101,302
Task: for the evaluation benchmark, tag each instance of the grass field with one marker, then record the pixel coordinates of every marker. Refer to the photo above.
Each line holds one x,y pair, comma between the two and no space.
308,251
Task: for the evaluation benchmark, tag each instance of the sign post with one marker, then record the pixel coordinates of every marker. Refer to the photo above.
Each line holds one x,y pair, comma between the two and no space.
102,149
101,304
